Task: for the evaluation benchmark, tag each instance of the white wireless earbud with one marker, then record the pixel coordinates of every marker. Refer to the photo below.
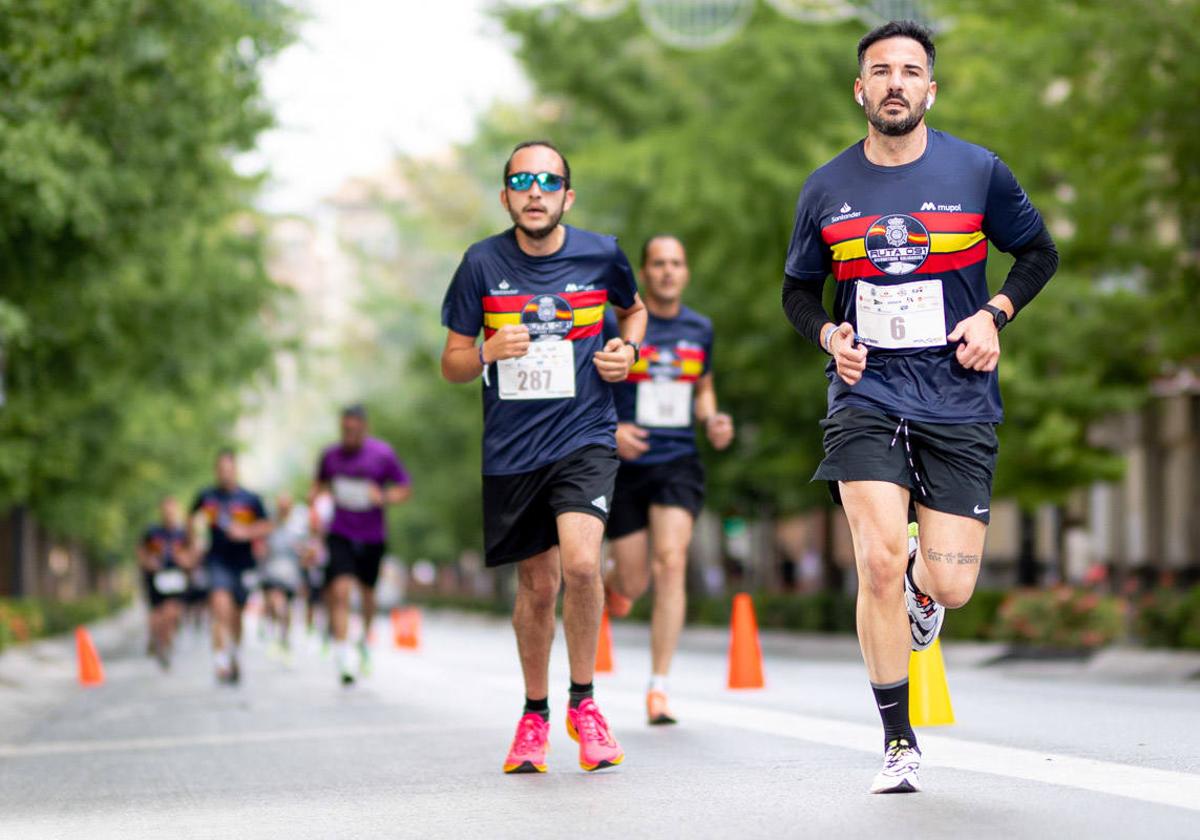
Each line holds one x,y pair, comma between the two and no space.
928,101
858,98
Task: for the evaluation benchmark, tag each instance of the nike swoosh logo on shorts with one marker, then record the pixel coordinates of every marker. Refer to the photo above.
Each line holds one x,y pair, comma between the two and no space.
890,705
979,510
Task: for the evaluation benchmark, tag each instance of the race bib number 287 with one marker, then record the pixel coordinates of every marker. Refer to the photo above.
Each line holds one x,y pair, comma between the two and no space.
546,372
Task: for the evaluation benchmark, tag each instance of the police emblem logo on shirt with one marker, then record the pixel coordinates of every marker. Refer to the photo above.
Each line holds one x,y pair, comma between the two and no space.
897,244
548,317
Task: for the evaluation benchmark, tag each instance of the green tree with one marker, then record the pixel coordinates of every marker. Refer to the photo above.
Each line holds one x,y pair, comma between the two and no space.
125,248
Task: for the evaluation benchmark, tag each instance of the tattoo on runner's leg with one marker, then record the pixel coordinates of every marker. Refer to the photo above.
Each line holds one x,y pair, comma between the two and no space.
952,558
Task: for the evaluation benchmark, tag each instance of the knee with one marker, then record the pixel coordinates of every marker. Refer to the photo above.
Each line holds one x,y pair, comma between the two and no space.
952,594
580,572
540,591
881,570
670,566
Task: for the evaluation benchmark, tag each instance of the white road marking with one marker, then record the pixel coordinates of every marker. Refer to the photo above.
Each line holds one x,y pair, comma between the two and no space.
1147,784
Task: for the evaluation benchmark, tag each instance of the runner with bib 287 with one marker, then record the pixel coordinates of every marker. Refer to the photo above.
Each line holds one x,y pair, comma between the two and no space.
538,292
902,220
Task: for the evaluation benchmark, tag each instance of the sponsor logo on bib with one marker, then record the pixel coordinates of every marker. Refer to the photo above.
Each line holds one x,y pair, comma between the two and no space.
897,244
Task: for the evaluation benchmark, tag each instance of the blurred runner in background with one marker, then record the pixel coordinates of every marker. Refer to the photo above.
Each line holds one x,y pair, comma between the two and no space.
165,559
235,518
282,576
364,475
660,485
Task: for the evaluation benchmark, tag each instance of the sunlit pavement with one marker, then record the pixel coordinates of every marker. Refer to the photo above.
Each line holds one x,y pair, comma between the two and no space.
415,750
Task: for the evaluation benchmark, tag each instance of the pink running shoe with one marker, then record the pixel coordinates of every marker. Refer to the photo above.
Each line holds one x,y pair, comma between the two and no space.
597,746
528,752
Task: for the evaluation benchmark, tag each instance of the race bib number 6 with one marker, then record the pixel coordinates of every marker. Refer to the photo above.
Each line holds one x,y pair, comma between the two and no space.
902,316
546,372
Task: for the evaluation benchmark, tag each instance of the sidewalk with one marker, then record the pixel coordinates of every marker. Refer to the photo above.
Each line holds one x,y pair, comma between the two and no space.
36,675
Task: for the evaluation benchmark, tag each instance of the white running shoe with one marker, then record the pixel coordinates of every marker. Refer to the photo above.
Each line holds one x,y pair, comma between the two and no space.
925,615
901,761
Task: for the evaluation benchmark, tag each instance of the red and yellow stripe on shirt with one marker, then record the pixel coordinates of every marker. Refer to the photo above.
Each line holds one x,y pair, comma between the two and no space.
955,241
586,313
688,362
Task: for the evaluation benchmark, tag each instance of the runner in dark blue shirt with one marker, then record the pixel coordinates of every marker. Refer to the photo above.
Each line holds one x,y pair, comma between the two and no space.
903,220
235,518
538,293
660,486
164,558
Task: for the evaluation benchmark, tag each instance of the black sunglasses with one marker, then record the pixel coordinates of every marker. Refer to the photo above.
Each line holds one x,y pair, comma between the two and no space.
546,181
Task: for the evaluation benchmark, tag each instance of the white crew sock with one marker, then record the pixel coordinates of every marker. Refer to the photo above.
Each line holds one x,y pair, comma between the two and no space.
658,682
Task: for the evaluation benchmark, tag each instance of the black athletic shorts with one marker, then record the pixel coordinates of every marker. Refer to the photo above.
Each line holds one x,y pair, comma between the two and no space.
314,583
947,467
153,596
678,483
351,557
519,511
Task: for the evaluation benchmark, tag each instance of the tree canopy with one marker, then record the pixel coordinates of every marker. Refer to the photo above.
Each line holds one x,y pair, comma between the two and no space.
132,285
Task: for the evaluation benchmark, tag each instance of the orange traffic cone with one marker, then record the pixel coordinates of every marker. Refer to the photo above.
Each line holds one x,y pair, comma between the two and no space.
91,672
745,654
396,625
604,654
407,628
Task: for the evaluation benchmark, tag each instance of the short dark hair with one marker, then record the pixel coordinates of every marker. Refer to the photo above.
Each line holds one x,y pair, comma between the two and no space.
528,144
355,410
646,245
899,29
226,452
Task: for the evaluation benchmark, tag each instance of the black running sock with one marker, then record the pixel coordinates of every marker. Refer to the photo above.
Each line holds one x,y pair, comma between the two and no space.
580,692
538,707
892,701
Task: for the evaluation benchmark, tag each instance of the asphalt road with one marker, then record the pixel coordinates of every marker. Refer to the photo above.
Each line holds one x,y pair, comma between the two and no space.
415,750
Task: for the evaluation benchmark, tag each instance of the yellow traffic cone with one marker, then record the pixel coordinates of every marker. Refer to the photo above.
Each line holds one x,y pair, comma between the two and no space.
928,694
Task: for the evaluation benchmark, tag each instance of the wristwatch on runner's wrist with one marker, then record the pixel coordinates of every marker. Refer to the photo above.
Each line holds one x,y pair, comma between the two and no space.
637,350
999,316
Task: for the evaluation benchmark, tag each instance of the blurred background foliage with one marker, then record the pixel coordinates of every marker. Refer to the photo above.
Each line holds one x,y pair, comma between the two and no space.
132,287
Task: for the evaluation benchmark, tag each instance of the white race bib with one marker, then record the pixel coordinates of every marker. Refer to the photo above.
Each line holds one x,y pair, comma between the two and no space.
283,571
664,405
546,372
902,316
170,582
352,493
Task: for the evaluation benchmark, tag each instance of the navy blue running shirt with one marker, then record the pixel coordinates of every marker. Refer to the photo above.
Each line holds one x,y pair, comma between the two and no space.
677,351
560,297
164,544
222,508
896,239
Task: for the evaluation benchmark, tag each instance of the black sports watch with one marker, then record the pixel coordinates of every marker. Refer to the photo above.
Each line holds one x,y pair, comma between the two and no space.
637,350
999,316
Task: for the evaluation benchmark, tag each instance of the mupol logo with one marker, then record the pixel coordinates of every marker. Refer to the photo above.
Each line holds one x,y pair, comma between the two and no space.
928,205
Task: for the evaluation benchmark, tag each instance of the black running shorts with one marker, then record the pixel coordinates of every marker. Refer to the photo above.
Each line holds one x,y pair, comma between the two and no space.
947,467
520,511
677,483
351,557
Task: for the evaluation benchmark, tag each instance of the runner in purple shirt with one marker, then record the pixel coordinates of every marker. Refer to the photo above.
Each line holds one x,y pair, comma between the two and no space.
364,475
